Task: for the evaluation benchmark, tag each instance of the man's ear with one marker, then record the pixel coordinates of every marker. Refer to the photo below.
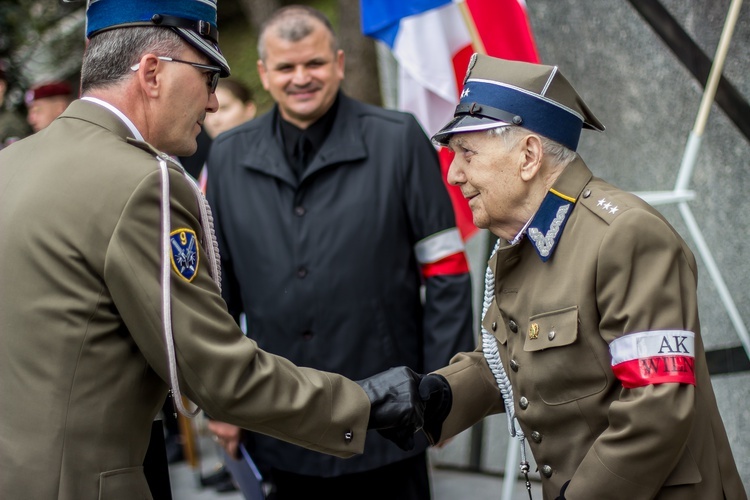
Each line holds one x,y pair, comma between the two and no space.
148,75
532,153
263,74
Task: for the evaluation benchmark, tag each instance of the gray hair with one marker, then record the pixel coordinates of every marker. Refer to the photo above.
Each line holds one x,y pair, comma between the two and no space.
110,54
293,23
560,155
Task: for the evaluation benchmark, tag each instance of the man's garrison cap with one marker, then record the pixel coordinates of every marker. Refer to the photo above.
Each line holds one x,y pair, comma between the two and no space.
498,93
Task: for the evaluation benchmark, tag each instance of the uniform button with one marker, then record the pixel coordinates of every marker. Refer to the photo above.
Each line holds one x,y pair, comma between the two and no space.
299,210
514,365
513,326
494,326
536,437
587,193
307,335
547,471
551,335
301,272
523,403
348,436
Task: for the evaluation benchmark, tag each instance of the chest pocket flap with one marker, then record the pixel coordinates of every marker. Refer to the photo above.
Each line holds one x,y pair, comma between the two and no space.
552,329
493,323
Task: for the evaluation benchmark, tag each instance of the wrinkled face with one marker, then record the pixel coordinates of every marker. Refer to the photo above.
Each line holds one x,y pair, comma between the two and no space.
232,112
42,112
303,77
488,174
183,106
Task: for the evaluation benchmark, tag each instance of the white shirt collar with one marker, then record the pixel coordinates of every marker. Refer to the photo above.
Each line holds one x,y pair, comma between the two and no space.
520,234
137,135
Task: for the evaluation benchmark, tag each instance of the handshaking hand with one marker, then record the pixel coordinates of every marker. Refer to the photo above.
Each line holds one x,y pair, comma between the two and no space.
396,409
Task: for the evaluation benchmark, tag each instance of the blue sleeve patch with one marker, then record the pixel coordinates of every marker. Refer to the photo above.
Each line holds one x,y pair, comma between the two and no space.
184,254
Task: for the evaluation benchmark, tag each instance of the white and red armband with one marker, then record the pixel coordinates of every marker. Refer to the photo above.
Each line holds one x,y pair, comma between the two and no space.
657,357
442,254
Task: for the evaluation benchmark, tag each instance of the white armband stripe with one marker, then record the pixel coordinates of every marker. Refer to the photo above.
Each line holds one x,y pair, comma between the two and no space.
654,343
439,246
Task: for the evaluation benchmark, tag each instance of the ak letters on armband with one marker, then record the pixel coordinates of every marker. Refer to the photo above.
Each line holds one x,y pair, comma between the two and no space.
657,357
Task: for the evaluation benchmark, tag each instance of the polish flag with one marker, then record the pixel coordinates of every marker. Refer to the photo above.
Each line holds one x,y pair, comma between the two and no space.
432,42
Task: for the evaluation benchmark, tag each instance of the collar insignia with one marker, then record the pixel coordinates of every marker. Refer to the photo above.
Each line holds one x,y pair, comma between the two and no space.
547,225
184,253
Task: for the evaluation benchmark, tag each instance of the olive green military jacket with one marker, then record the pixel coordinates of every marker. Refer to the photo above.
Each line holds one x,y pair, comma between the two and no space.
83,363
617,271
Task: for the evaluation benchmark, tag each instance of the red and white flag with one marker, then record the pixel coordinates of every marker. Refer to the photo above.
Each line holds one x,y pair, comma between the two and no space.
432,42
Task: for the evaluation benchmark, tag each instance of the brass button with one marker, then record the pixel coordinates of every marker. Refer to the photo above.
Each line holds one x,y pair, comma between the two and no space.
587,193
494,326
348,436
523,403
514,365
513,326
551,335
536,437
547,471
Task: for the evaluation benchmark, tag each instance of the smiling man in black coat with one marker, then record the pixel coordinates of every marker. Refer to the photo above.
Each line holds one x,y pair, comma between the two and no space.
331,216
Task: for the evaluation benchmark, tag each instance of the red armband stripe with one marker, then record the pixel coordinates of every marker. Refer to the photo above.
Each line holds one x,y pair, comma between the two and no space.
452,264
656,370
655,357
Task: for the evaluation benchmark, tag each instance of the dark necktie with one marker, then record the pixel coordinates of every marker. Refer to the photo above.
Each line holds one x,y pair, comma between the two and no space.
302,155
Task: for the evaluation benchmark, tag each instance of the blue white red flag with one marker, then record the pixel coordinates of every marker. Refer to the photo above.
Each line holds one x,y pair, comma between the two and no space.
431,41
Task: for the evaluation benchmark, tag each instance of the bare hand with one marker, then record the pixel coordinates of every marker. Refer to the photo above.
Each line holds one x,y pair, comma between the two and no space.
227,436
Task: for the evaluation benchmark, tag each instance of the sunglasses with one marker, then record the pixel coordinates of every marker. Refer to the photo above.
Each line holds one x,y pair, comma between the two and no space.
212,78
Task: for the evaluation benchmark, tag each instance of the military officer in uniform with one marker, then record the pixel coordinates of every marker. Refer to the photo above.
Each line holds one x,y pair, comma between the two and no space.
590,336
110,285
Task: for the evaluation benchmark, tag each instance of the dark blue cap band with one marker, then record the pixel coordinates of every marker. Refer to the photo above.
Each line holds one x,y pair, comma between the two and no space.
537,113
104,14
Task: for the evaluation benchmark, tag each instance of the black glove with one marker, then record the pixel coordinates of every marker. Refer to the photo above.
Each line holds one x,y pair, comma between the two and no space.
396,410
562,490
438,397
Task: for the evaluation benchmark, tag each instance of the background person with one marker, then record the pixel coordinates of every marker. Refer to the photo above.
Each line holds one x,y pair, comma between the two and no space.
236,106
591,307
110,283
330,216
12,124
47,101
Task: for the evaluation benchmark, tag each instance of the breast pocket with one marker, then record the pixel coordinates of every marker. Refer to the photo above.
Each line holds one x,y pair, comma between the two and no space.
566,366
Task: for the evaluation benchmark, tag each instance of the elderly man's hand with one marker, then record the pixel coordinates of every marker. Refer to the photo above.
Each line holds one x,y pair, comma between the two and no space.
438,397
396,410
227,436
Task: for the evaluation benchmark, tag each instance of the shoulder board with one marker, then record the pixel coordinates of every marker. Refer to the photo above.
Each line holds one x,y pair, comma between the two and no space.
605,201
153,151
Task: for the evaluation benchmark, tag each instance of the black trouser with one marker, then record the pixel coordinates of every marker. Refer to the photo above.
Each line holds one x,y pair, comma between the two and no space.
404,480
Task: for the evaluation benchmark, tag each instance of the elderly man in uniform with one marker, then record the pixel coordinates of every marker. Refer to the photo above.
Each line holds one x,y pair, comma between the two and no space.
590,335
110,288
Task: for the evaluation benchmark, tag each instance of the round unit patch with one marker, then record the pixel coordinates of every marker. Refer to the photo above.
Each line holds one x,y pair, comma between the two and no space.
184,253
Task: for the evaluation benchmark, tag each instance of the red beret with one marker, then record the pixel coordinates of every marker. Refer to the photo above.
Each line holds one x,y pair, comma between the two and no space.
47,90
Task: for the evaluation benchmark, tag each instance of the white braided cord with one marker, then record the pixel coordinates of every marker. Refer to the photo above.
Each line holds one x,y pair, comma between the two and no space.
214,262
490,349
